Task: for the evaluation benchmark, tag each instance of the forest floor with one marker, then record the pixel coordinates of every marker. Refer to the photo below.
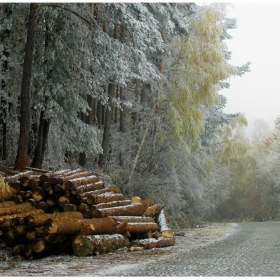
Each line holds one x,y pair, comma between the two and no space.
105,264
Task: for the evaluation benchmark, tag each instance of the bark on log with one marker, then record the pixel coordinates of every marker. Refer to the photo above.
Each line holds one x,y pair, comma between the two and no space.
136,209
133,219
153,210
19,219
73,176
104,198
6,204
7,194
99,191
38,194
112,204
142,227
14,209
63,226
91,244
148,202
88,187
38,220
153,243
73,183
16,177
98,225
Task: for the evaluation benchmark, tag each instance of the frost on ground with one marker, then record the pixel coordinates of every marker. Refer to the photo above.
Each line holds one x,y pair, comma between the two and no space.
107,264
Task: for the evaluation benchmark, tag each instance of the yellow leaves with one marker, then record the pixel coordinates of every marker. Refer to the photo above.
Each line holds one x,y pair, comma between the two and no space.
4,186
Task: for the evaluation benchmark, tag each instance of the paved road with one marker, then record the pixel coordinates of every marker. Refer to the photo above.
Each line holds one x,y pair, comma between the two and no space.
252,250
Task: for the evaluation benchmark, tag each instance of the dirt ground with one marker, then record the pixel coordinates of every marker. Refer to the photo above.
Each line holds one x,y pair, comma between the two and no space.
102,265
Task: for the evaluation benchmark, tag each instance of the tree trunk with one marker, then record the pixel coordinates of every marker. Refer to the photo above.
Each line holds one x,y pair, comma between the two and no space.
25,95
107,126
41,142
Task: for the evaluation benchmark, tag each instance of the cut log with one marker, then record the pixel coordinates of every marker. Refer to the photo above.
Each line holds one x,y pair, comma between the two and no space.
148,202
38,220
16,177
99,191
63,200
104,198
121,227
6,204
153,243
153,210
63,226
136,199
73,176
46,186
24,181
38,194
18,218
82,207
31,235
73,183
99,225
86,188
142,227
15,185
19,230
42,205
163,225
133,219
10,237
136,209
39,245
14,209
70,208
7,194
33,183
18,250
91,244
134,249
146,235
57,187
112,204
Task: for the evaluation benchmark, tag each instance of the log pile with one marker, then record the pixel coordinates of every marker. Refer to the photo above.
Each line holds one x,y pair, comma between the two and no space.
44,213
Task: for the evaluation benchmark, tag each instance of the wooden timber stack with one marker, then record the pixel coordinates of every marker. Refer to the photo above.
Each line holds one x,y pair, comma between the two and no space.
47,213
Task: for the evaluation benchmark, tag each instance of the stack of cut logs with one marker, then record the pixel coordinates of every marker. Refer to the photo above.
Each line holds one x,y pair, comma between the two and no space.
44,213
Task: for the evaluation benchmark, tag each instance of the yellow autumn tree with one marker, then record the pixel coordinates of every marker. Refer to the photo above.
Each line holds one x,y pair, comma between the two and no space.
192,80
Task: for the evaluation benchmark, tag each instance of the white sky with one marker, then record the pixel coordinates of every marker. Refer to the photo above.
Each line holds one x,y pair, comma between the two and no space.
256,39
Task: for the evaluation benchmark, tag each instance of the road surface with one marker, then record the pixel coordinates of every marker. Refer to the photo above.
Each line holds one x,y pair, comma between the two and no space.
253,249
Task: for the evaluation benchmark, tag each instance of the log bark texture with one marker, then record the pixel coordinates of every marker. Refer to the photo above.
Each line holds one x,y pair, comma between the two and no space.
91,244
153,243
136,209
